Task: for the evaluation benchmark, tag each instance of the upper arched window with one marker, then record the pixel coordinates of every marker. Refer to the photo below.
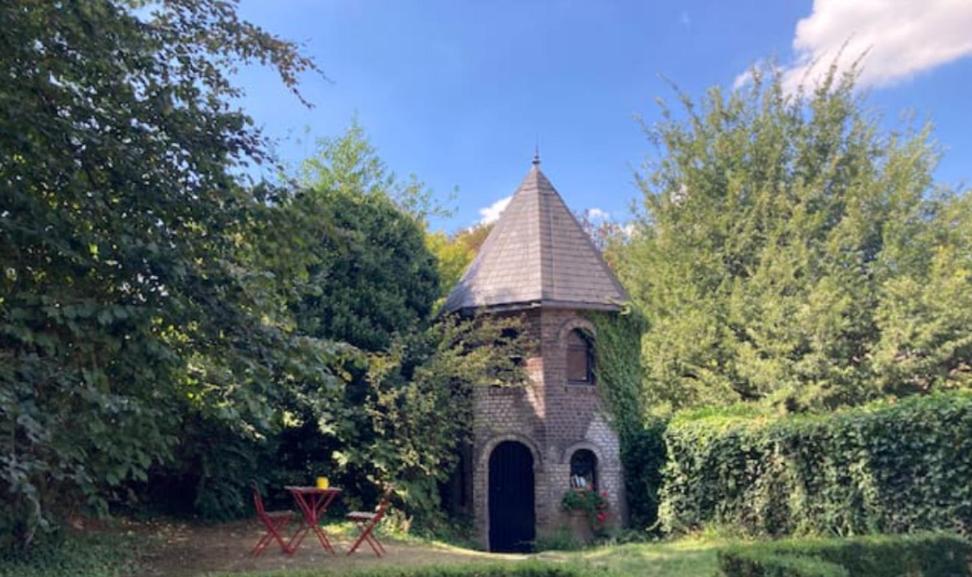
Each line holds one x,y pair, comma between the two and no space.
580,358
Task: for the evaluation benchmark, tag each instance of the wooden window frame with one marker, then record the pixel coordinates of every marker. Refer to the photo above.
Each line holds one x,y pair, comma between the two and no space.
588,352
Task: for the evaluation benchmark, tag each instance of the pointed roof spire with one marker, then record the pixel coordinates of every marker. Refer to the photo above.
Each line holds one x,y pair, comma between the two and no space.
537,255
536,153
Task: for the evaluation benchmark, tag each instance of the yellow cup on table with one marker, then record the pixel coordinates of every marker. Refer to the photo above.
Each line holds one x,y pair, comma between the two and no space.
323,483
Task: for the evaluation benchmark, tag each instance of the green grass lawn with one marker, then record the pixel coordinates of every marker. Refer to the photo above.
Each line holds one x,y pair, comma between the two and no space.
687,557
193,550
110,555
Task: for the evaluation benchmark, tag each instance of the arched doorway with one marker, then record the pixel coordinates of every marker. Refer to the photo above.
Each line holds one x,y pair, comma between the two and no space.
512,526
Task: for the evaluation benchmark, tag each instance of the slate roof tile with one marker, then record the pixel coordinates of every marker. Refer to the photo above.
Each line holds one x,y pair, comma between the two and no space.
537,254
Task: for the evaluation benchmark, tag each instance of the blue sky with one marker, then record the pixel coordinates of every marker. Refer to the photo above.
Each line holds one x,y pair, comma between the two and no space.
458,92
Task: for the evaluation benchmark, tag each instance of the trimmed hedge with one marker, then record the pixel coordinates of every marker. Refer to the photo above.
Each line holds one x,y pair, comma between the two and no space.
923,555
885,468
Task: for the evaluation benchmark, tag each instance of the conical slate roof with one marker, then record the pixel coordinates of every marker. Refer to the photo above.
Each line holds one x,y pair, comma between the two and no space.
537,255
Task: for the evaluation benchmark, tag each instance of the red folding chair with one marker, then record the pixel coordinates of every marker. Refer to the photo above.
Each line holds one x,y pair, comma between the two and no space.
367,522
274,521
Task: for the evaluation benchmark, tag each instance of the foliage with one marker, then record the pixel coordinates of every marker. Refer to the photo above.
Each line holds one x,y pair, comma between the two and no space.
618,367
350,164
886,467
371,282
604,232
418,404
370,276
454,253
94,555
363,279
924,317
620,373
643,455
923,555
126,296
593,504
207,331
791,252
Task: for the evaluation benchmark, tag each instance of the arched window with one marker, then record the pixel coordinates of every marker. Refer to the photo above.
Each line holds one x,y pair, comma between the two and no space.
580,358
583,470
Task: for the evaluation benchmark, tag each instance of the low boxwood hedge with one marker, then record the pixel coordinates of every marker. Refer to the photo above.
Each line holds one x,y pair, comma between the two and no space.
886,468
922,555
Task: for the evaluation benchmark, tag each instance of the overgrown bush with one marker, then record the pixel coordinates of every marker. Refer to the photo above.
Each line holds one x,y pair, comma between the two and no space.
923,555
888,468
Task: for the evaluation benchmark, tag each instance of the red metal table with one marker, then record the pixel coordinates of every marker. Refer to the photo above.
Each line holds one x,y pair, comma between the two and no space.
313,503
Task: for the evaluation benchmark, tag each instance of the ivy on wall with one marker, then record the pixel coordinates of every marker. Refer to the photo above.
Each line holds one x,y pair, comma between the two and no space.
619,374
618,366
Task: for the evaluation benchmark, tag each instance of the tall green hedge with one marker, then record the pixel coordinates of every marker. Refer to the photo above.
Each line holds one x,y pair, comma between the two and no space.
886,468
924,555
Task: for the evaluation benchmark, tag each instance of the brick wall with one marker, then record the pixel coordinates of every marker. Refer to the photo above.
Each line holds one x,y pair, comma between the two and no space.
552,418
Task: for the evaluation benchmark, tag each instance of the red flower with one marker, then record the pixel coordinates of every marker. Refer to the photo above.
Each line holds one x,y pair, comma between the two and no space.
601,517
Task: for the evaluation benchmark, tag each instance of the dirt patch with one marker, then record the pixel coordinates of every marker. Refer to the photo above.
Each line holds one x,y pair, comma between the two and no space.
174,549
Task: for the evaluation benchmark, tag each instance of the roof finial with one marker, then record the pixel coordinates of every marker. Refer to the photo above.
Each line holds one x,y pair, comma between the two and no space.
536,153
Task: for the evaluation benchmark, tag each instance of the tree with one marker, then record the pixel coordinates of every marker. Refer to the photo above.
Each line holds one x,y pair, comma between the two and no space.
402,408
778,233
454,253
419,404
372,276
125,294
924,315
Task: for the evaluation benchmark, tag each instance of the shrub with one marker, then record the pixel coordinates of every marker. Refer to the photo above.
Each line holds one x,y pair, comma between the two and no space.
883,468
643,456
922,555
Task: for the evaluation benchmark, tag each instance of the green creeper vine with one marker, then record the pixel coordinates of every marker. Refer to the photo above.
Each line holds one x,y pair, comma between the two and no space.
618,366
619,374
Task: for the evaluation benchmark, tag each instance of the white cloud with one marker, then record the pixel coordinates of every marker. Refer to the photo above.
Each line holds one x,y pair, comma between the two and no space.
743,78
901,38
597,214
492,212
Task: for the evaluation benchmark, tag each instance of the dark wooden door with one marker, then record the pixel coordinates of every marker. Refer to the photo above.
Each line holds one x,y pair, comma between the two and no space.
512,526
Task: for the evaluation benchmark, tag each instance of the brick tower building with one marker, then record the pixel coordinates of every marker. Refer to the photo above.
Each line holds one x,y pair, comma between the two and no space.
532,444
